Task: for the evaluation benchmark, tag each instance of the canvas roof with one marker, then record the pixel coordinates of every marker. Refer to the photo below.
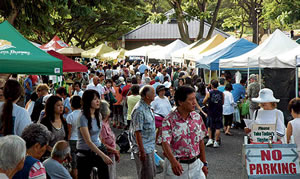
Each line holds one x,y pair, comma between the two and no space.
276,44
97,51
165,52
55,44
20,56
70,51
177,56
142,51
237,48
193,53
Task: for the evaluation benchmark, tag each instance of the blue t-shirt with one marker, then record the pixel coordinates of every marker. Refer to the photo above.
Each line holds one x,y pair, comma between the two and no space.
221,88
67,104
238,91
94,133
55,169
28,91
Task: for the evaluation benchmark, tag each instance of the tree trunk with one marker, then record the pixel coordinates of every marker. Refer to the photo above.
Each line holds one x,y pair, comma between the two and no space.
202,7
214,20
14,13
254,29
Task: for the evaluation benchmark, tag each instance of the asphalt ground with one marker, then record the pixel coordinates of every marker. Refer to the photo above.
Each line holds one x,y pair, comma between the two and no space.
223,163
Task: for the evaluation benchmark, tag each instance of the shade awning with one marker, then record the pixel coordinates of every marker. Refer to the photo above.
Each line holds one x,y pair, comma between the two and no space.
55,44
18,55
68,64
97,51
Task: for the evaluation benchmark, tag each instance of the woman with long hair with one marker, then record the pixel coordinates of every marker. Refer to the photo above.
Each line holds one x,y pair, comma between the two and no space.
13,117
91,152
54,121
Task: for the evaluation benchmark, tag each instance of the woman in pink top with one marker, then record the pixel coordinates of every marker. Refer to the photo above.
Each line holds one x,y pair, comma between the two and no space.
108,139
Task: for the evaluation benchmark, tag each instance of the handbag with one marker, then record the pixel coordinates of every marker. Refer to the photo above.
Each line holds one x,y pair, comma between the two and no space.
112,98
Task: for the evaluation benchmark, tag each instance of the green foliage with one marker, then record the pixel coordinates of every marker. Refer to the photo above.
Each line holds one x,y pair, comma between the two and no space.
85,23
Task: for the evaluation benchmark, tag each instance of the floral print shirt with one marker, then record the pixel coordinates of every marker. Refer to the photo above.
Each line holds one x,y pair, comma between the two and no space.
183,135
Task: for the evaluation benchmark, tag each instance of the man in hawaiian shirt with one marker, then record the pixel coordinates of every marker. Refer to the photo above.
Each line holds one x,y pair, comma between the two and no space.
142,134
183,131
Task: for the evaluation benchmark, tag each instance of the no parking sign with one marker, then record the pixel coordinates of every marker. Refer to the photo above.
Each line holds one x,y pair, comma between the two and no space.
280,161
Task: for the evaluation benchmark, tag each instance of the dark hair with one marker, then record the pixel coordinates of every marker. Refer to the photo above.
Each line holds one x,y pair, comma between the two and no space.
201,88
294,105
77,83
145,90
222,81
33,96
61,91
87,99
243,81
49,108
109,81
146,70
75,102
228,87
11,92
214,83
135,89
134,80
36,133
182,92
166,78
188,81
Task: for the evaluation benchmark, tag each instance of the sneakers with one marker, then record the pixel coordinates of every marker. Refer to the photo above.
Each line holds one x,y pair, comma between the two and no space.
131,156
209,142
216,144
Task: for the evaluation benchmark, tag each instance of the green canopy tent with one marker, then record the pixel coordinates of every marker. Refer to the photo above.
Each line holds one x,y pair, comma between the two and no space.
19,56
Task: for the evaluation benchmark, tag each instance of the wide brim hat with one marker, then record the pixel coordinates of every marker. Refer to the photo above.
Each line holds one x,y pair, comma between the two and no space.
265,96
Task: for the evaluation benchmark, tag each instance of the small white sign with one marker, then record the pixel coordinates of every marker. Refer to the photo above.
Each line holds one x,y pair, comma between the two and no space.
56,70
261,132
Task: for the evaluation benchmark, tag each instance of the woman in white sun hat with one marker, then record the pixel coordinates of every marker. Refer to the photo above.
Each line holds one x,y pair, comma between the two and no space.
268,114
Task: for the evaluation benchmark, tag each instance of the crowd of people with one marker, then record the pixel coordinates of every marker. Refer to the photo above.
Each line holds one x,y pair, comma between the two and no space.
65,130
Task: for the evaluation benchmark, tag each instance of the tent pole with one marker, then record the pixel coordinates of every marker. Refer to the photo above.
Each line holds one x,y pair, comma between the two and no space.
259,74
219,72
248,74
297,79
209,76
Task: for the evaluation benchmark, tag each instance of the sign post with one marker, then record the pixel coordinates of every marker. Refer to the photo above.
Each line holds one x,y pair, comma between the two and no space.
280,161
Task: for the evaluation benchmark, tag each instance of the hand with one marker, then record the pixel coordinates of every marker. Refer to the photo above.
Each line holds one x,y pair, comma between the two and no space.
142,155
247,130
176,168
107,160
205,170
204,114
117,155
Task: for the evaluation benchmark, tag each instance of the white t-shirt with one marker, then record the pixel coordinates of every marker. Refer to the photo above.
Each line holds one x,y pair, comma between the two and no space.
30,107
161,106
80,93
115,72
228,106
296,132
98,88
269,117
21,118
72,120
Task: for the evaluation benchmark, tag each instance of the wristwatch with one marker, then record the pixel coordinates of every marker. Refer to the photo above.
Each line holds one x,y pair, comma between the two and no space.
205,163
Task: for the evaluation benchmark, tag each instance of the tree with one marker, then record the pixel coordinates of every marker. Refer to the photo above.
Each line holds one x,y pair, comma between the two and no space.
84,23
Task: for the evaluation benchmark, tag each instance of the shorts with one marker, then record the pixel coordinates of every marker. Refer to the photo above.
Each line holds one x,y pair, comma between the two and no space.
215,123
158,121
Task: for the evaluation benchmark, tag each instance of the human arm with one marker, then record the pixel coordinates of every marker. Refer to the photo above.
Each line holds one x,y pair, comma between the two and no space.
289,132
87,138
176,166
69,131
139,141
203,157
206,98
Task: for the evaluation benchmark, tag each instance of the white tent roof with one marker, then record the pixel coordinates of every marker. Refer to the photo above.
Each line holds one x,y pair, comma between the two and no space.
283,60
177,56
276,44
165,52
142,51
223,45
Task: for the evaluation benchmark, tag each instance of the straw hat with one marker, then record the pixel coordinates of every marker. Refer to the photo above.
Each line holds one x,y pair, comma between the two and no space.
265,96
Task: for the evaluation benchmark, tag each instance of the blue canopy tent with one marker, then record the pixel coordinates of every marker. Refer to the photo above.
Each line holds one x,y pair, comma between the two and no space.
238,48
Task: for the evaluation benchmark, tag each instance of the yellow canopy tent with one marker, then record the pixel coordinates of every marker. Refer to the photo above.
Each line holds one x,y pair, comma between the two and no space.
192,54
96,52
113,55
70,51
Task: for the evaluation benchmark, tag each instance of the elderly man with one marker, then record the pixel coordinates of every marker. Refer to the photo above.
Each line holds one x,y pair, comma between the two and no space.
143,134
12,155
53,165
183,132
252,92
96,86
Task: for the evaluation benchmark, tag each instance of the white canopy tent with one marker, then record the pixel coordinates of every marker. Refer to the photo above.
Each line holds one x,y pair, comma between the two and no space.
178,57
142,51
165,52
276,44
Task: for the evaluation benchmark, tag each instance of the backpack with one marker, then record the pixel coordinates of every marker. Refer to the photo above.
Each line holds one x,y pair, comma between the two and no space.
123,142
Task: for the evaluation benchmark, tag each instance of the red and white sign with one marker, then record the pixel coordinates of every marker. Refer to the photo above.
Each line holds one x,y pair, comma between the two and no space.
272,161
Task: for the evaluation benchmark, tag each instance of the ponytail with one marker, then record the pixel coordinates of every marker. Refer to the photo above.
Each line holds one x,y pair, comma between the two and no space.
12,91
